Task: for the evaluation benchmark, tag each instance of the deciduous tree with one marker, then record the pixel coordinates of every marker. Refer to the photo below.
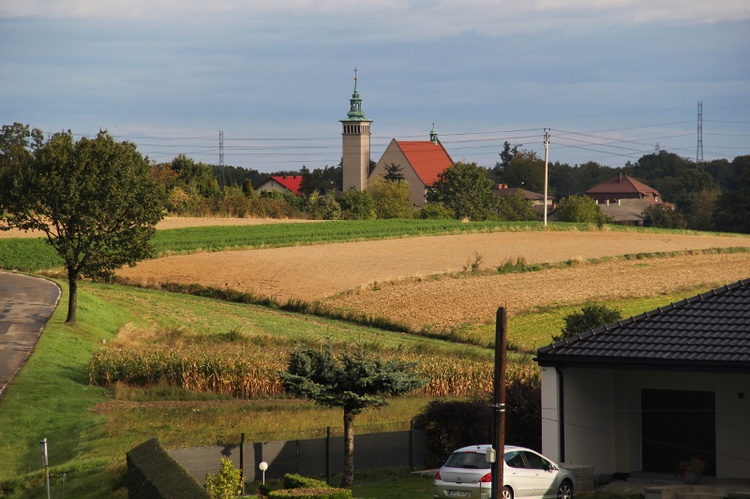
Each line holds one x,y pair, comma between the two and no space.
391,199
356,380
465,189
579,209
94,200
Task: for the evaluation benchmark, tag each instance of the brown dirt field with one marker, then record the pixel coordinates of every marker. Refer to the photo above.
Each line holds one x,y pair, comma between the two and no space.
177,223
324,272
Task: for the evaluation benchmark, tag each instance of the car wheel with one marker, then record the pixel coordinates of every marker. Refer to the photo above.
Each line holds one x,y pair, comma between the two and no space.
565,490
507,493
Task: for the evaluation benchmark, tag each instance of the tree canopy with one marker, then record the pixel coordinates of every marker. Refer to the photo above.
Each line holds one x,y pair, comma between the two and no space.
579,209
590,317
94,200
465,189
356,380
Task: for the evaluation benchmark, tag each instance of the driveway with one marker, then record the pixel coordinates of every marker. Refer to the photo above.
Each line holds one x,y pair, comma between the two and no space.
26,304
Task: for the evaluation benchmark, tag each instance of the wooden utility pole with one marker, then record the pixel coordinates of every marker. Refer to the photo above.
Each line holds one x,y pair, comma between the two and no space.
498,405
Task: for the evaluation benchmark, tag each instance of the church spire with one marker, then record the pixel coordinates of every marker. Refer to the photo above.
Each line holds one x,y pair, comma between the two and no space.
355,104
434,135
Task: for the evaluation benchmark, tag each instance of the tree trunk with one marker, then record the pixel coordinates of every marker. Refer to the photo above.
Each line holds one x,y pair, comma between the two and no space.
72,299
348,477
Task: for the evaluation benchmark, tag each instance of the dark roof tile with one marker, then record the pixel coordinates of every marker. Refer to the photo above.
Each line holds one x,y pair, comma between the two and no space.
710,328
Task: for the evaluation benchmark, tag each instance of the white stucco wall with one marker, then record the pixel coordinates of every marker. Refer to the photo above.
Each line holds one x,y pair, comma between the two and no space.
603,420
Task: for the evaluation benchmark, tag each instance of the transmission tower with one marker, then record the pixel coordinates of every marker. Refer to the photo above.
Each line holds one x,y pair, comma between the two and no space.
221,156
699,148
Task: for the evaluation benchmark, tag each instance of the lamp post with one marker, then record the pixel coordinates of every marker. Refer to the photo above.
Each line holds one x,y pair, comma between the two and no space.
263,466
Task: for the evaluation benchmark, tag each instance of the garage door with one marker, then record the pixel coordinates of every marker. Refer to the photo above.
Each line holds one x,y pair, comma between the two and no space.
677,425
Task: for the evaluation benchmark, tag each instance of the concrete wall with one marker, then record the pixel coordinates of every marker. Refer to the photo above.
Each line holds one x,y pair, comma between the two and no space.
308,457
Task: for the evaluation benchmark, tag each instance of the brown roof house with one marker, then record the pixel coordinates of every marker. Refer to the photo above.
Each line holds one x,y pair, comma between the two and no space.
421,161
623,198
537,200
643,394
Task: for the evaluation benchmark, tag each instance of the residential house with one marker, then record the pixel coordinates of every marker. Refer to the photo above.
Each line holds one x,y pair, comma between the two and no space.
537,200
281,183
646,392
623,198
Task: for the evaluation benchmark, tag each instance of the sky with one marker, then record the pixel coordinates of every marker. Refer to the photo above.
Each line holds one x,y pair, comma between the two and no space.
611,79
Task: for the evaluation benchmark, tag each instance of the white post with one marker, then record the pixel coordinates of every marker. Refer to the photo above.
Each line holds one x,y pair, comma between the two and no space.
45,462
546,170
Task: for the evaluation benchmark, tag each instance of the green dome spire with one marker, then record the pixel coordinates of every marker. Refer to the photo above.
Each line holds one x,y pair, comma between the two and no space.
355,104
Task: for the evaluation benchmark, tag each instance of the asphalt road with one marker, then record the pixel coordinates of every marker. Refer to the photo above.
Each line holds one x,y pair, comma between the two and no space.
26,304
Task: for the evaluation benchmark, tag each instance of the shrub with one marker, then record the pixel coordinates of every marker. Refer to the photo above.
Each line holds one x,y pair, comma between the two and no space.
436,211
225,484
329,493
590,317
295,481
454,424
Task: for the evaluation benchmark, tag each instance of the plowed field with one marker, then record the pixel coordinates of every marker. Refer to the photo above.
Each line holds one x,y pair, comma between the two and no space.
388,278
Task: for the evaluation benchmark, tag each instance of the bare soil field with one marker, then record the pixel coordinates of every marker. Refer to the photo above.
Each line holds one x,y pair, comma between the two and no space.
389,278
177,223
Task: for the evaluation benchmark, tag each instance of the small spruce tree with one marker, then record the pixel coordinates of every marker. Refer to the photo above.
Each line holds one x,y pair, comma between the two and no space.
356,380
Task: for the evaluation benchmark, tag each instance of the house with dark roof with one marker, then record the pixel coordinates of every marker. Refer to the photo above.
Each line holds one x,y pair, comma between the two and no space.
537,200
281,183
646,392
421,161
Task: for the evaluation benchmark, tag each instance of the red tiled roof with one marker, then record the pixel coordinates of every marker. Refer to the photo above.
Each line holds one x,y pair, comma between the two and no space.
622,184
291,182
427,158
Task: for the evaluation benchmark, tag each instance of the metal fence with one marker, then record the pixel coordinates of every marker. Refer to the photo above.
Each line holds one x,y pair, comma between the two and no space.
314,457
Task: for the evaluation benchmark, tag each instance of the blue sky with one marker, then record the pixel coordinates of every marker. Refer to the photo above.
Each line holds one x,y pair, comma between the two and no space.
612,79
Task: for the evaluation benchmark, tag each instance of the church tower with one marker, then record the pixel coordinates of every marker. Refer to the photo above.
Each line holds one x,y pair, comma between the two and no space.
356,144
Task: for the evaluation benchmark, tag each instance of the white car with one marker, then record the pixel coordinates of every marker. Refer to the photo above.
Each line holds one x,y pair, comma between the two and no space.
527,473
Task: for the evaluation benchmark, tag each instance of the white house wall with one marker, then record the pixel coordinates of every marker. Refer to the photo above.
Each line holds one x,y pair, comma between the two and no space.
603,420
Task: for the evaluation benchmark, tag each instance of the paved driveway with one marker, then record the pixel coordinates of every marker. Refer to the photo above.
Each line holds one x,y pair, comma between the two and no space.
26,304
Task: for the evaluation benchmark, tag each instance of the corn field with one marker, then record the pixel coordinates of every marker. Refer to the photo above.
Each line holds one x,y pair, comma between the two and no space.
251,373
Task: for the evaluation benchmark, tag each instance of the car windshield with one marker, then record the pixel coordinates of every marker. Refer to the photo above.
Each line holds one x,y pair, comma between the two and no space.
471,459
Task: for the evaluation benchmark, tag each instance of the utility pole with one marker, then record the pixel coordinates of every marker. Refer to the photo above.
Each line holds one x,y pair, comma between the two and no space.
221,157
546,171
699,148
498,444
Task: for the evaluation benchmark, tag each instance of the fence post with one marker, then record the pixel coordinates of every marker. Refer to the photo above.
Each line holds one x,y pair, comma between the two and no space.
242,461
328,455
411,445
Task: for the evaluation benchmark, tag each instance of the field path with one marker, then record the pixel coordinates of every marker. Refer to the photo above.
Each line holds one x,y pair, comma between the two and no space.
323,271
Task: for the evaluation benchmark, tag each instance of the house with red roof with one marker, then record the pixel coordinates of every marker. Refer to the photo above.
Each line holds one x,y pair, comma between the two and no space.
623,198
623,187
281,183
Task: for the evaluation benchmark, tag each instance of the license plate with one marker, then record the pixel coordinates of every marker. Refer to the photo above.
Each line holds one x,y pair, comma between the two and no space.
459,493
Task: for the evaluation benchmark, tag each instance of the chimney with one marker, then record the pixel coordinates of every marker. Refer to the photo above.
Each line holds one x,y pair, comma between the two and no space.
619,180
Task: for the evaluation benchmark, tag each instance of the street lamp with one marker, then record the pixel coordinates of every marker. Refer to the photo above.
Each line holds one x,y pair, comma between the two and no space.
263,466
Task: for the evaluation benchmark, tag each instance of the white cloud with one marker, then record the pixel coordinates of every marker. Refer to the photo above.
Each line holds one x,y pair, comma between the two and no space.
420,16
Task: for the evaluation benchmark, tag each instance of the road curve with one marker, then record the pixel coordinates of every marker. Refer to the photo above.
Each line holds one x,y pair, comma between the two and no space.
26,304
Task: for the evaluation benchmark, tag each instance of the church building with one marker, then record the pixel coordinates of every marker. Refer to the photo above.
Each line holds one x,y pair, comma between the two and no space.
420,161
